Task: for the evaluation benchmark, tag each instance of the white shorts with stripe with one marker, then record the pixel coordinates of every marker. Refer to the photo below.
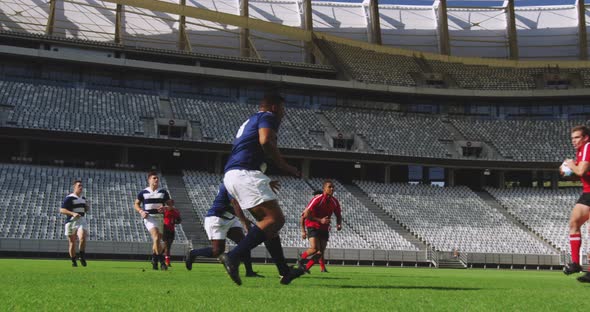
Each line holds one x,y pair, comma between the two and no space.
75,226
249,187
154,221
217,227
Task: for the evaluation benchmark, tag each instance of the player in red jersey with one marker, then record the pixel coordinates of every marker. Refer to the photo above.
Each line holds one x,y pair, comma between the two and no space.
317,221
580,137
171,218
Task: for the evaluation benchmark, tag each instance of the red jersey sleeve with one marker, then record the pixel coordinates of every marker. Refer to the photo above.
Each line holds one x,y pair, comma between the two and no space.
337,209
586,152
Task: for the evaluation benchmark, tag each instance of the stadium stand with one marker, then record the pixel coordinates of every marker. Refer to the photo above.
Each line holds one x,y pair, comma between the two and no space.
123,112
391,69
393,132
522,140
545,212
35,194
59,108
452,218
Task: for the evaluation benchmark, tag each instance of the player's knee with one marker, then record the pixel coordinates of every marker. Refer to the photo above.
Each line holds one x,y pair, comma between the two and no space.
574,225
278,222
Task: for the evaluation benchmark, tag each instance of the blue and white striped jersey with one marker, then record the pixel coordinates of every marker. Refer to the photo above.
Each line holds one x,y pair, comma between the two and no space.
75,204
151,201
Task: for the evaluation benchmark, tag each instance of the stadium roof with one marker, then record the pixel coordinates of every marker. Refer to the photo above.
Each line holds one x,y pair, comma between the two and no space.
545,30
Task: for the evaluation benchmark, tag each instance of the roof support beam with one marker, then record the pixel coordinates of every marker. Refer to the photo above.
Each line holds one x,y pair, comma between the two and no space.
119,24
512,36
375,22
443,28
308,26
50,18
582,34
183,41
245,31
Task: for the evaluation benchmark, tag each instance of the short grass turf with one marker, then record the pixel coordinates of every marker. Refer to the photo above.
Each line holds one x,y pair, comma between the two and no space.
53,285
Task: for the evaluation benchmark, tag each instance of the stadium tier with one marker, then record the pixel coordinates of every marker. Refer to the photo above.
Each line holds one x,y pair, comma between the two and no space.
35,194
63,108
445,218
452,218
384,68
545,212
35,105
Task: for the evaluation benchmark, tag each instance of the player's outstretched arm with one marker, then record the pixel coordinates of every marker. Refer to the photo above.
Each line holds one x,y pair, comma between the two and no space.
268,141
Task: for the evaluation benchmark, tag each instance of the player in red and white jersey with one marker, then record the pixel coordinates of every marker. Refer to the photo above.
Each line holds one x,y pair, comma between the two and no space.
317,216
580,137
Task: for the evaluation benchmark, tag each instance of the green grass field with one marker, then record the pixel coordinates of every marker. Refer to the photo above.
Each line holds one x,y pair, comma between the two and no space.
52,285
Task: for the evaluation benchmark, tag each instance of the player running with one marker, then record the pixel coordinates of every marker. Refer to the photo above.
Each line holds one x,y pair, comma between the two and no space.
256,140
221,222
171,219
580,137
317,221
75,208
150,205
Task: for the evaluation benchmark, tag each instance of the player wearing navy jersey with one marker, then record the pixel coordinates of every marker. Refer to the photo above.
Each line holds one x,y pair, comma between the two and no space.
75,208
255,141
221,222
150,204
580,137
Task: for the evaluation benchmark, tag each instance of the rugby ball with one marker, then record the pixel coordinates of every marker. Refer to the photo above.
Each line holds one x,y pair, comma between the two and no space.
566,170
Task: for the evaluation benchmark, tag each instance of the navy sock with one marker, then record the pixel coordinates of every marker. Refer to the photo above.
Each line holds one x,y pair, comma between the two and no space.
247,259
154,258
203,252
275,249
254,238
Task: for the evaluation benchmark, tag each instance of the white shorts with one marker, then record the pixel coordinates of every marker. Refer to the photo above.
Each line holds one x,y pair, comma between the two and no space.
154,221
217,227
75,226
249,187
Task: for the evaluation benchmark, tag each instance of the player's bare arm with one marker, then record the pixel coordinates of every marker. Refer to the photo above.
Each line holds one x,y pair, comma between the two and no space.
66,212
302,223
268,141
139,210
338,221
580,169
324,220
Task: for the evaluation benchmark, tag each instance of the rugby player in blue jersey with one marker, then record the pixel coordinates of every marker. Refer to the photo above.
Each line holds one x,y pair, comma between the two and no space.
255,141
221,222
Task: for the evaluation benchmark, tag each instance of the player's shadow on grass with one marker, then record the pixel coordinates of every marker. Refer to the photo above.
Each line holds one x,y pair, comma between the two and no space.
400,287
327,278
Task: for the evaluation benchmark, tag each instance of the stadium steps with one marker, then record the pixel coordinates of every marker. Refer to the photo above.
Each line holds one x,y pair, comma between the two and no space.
489,149
166,108
451,264
492,202
381,214
191,225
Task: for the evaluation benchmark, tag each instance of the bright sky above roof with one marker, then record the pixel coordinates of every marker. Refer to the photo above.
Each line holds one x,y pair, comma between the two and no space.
467,3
